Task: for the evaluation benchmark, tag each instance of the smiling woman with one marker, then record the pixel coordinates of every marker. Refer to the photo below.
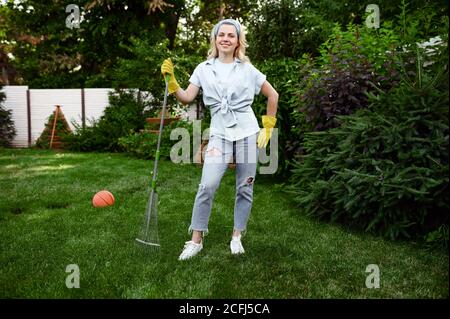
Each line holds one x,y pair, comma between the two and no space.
229,83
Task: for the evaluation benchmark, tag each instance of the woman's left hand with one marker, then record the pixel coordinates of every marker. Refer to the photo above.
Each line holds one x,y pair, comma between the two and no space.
266,132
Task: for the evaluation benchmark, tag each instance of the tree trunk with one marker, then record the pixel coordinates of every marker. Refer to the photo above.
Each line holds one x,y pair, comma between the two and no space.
171,30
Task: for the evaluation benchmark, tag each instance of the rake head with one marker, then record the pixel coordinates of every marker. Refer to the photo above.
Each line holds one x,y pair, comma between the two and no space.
148,235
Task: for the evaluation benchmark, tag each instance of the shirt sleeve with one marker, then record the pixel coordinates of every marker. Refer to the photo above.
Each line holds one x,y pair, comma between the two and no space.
195,78
259,79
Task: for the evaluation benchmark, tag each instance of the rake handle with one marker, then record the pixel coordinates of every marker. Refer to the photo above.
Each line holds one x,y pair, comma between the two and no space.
161,127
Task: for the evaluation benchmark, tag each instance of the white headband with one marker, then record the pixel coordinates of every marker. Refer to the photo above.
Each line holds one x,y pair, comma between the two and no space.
227,21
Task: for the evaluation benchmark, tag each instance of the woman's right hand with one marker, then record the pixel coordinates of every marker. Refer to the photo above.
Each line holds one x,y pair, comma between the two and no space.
167,69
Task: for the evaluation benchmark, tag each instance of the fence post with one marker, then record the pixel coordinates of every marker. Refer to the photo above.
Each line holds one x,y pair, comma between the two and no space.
29,117
83,110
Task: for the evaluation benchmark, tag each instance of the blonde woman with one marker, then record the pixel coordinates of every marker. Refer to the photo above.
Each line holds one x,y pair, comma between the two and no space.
229,83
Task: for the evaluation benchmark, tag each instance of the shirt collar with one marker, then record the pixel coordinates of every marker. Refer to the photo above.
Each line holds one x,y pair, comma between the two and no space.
213,60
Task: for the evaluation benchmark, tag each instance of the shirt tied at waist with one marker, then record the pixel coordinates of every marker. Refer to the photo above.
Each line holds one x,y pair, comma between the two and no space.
228,109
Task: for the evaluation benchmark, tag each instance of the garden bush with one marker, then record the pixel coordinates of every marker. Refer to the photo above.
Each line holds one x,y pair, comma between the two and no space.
7,129
377,46
125,114
352,62
384,169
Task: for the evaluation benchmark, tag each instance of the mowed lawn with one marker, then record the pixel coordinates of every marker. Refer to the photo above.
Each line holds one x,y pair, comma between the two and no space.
47,222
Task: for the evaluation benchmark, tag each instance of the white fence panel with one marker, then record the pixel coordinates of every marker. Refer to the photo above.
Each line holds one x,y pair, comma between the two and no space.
96,100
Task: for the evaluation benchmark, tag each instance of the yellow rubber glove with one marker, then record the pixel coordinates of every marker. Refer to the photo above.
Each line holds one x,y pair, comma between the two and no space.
266,132
167,68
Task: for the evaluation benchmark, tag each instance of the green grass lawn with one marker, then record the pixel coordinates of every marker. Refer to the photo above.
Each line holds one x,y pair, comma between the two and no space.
47,222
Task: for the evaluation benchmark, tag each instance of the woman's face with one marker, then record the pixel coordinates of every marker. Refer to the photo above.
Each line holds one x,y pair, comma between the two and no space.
226,39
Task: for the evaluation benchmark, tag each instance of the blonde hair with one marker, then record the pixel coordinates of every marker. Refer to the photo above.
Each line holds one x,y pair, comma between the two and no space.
239,52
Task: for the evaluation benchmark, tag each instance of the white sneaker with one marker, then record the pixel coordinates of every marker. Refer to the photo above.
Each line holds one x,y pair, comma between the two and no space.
236,246
190,250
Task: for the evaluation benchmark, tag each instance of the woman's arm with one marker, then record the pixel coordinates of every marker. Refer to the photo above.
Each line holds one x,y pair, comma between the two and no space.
188,95
272,98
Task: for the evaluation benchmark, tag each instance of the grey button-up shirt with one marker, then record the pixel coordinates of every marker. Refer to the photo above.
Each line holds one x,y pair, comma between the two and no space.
232,117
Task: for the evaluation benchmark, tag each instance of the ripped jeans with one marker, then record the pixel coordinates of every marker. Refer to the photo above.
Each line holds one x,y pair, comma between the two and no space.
218,154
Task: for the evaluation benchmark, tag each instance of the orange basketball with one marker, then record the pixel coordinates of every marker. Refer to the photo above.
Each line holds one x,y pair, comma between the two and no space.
102,199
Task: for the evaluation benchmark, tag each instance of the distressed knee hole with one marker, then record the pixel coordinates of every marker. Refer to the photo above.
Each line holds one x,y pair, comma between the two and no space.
214,152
